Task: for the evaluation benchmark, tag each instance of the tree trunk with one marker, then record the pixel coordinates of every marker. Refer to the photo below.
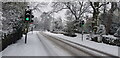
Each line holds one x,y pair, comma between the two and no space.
110,15
109,23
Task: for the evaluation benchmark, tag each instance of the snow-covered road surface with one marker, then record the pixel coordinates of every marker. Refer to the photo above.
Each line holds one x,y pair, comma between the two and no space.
113,50
40,44
52,47
37,45
77,49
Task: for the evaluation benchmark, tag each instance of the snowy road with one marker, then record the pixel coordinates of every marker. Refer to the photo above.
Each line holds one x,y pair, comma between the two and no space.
52,48
40,44
62,48
74,48
37,45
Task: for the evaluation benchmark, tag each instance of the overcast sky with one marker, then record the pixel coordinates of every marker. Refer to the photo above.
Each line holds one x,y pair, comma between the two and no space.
46,8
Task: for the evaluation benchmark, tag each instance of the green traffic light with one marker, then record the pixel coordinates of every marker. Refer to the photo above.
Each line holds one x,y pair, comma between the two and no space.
27,19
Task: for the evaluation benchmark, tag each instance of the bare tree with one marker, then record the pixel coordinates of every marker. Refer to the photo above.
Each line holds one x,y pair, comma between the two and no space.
12,11
75,11
110,16
76,8
96,11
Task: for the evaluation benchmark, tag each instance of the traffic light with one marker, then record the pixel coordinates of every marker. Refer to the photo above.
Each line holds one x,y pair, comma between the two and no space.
27,15
31,22
82,23
32,16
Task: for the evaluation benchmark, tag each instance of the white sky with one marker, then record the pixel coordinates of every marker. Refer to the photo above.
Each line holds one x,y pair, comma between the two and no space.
61,14
56,0
48,8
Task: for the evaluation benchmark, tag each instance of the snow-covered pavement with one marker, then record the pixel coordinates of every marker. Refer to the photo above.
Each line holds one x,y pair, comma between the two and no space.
114,50
33,47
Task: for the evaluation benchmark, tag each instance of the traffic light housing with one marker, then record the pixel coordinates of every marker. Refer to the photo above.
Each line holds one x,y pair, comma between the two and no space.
82,23
28,15
31,22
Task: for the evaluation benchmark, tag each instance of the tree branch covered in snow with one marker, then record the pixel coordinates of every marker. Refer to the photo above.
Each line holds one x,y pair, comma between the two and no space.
12,11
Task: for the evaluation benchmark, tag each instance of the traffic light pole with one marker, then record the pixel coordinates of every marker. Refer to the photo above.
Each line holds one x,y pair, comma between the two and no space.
26,30
25,38
27,21
82,33
82,23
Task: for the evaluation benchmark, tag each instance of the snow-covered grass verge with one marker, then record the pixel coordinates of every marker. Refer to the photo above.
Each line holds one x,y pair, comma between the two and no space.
98,46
